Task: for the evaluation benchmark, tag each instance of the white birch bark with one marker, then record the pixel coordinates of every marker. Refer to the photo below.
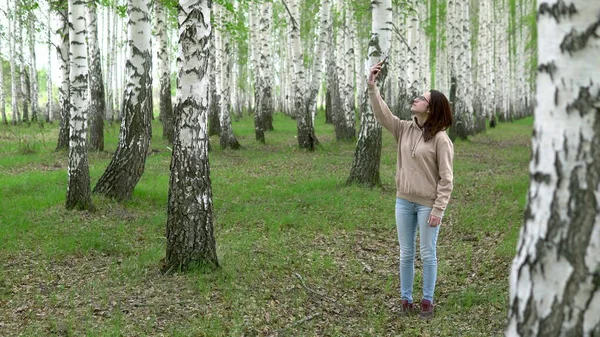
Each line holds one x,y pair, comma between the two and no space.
554,289
2,94
164,72
190,238
412,74
128,163
64,61
33,77
23,86
97,103
348,64
263,97
465,87
78,190
227,138
16,117
49,113
306,133
423,47
365,165
319,58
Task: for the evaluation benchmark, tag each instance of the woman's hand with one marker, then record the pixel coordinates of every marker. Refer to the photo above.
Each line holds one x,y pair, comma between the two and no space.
375,69
434,221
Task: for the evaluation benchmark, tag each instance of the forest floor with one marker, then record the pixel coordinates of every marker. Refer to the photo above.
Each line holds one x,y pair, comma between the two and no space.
301,254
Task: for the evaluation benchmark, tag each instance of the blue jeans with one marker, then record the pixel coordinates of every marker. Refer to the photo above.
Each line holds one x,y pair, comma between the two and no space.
409,216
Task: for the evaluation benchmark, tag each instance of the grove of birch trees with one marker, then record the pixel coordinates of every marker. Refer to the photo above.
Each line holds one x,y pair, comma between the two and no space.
229,59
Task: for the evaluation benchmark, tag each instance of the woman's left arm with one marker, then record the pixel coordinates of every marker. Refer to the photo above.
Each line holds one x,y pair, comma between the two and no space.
445,158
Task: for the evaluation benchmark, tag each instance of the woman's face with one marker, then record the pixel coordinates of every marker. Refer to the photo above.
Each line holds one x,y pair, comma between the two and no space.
421,103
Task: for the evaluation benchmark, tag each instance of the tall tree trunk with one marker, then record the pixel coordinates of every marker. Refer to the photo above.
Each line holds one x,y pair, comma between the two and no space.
128,163
306,131
78,191
2,93
320,51
33,78
190,238
110,66
23,88
64,91
263,98
214,126
13,64
164,71
344,124
227,138
365,165
554,283
49,114
97,106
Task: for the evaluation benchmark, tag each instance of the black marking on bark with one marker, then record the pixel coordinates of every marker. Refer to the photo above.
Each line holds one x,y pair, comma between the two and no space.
557,10
542,178
549,68
575,41
584,103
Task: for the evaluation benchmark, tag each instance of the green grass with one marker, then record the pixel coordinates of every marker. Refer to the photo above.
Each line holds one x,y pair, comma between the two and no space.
295,244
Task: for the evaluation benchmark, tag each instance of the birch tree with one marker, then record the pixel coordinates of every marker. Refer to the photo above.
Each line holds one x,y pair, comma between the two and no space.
62,51
33,77
2,93
23,86
214,126
16,117
263,85
320,51
49,114
78,190
554,288
227,138
164,71
365,165
306,131
97,107
129,160
190,238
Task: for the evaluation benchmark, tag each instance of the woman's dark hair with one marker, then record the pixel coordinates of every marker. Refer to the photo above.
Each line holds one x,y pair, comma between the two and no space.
440,117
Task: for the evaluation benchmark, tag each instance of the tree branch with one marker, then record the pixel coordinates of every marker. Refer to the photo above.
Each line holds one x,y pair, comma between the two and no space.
294,23
397,31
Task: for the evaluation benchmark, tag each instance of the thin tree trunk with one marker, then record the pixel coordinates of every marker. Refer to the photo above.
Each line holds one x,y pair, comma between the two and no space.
365,165
190,238
33,69
23,88
49,114
78,191
13,66
128,163
227,138
306,132
554,282
320,51
97,106
2,93
214,126
64,91
164,71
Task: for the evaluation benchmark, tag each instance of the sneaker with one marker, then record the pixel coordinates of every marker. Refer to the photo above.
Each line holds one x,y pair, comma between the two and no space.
406,308
426,309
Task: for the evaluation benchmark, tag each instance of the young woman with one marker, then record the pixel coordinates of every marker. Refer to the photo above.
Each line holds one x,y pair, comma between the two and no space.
423,183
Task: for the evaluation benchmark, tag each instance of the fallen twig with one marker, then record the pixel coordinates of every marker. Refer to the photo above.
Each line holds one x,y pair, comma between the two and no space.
298,322
313,291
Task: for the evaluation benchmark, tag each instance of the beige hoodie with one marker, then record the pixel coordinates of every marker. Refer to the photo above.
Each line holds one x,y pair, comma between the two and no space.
423,169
